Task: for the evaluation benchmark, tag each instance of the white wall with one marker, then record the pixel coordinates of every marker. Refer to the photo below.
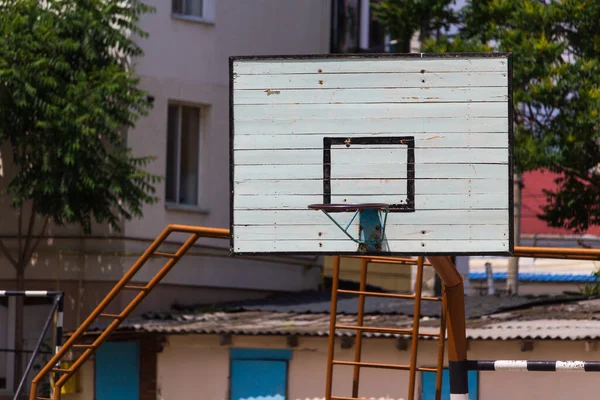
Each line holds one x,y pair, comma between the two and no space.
195,364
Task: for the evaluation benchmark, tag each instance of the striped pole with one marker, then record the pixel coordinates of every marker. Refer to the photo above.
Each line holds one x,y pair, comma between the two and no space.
459,380
30,293
59,323
534,366
58,341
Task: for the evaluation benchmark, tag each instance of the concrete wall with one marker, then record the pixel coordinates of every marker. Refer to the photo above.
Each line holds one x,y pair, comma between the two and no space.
194,365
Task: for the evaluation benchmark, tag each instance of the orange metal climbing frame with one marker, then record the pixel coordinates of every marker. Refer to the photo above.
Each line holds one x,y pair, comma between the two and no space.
452,310
453,314
62,375
413,332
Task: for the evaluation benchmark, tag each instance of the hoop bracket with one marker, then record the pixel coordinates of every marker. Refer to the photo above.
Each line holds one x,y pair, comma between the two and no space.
371,224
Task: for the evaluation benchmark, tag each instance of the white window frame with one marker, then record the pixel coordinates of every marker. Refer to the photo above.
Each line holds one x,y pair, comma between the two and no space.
176,204
208,13
364,24
10,356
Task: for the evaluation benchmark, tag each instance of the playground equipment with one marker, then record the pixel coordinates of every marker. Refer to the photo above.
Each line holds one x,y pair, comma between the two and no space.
55,314
418,146
195,232
360,328
452,319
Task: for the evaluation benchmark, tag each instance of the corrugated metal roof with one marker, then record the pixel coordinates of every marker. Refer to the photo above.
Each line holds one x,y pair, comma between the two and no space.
273,324
544,329
565,321
536,277
319,303
264,323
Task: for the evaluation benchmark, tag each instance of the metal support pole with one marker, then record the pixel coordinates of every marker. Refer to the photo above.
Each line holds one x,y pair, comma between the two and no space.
415,336
441,345
332,323
457,339
360,321
58,338
512,275
36,349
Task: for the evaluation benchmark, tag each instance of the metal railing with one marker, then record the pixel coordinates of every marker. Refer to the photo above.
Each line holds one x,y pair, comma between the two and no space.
195,232
413,332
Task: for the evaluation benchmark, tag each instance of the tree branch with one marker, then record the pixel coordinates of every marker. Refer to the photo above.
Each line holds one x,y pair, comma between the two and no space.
37,242
6,253
532,118
29,236
579,175
20,230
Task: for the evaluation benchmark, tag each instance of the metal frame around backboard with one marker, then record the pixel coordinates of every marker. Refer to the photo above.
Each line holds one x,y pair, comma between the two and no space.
510,110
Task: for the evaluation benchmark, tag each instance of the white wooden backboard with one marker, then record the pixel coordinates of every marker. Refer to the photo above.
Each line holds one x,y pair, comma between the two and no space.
430,135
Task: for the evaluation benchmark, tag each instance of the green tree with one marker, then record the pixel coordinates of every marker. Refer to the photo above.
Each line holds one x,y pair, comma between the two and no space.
556,85
67,92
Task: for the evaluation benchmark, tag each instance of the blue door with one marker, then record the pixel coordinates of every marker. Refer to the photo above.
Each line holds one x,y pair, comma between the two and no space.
118,371
259,374
428,385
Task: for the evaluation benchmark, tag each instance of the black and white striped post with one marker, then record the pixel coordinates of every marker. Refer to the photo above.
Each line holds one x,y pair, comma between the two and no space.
56,313
534,366
459,380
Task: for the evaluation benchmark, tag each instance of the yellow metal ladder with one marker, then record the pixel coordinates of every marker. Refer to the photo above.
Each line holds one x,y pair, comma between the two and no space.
413,332
62,375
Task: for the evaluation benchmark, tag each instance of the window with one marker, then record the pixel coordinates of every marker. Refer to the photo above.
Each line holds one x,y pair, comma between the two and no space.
259,374
345,29
428,385
188,7
199,10
354,28
183,152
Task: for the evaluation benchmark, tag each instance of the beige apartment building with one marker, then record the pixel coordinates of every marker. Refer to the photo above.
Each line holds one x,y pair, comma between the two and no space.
186,72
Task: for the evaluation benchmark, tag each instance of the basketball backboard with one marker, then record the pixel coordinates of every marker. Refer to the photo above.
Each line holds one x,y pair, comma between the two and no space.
429,135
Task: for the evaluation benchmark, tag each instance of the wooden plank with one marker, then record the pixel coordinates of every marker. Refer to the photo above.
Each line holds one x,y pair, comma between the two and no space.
375,156
370,95
423,187
368,111
395,126
373,171
422,217
392,232
439,140
405,65
413,247
422,202
373,80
